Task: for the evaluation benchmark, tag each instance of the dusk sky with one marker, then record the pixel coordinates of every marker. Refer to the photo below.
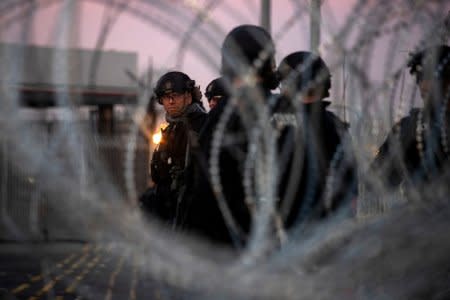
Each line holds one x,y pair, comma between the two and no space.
152,43
157,31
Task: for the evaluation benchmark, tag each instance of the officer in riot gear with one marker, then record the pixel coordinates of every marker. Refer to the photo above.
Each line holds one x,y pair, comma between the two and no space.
416,151
320,148
215,91
185,116
249,74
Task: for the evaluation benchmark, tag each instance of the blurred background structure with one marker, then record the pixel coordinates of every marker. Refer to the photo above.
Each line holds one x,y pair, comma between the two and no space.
96,88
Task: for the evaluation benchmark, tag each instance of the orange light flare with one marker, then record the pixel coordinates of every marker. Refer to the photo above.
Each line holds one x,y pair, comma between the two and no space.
157,136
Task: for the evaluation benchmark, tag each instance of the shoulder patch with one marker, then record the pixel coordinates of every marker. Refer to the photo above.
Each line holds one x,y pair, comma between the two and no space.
281,120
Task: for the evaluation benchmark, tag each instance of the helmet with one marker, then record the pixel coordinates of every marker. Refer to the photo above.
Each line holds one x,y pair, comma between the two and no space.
249,46
216,88
303,70
174,82
435,60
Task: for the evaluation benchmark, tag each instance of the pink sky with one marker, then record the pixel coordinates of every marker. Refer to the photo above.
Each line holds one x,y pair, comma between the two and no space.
132,33
140,29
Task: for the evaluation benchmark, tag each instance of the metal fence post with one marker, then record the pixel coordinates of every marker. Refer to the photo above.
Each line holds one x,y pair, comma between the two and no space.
315,20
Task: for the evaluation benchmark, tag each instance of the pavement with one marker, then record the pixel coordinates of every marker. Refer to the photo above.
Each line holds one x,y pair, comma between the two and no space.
76,271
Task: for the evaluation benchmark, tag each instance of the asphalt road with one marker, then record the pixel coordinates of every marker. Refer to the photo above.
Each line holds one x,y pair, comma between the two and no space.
76,271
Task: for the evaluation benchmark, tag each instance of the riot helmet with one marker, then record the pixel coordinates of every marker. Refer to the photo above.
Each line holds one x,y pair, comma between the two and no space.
301,71
432,62
216,88
247,49
176,82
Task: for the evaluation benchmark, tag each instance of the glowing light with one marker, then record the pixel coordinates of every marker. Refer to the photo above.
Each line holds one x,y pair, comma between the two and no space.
156,138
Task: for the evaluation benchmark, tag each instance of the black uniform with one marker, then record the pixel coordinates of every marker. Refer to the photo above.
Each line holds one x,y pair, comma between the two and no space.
415,151
168,166
205,214
312,153
223,215
318,167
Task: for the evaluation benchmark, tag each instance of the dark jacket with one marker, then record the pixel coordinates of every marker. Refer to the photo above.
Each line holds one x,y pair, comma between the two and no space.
207,212
169,162
318,170
414,151
207,208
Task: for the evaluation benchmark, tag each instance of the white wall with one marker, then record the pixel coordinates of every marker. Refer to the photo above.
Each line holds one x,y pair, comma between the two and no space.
42,66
